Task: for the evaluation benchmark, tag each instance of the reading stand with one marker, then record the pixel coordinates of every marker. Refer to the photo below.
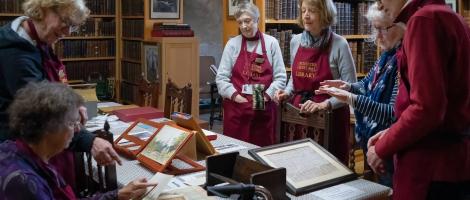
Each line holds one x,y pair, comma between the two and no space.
233,168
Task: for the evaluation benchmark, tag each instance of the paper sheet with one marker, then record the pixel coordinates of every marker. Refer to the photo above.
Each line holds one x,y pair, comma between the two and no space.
162,180
339,192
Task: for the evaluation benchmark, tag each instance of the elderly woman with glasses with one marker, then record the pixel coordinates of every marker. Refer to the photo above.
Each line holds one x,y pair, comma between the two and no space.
250,71
430,140
44,117
319,54
374,96
26,56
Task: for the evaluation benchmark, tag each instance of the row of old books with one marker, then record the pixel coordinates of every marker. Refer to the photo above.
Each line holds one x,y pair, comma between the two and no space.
86,70
96,27
133,28
85,48
344,20
129,92
351,20
102,7
283,37
11,6
132,7
281,9
172,30
466,16
364,55
132,50
131,72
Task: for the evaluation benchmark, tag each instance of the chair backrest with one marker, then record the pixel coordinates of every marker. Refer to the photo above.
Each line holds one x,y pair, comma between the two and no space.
319,123
177,99
90,176
213,69
147,94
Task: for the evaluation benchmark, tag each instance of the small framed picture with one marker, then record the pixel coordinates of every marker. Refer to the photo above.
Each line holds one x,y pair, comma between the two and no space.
309,166
152,68
452,4
165,9
232,5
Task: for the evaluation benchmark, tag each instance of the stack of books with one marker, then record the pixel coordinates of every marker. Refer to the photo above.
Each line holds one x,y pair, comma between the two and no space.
172,30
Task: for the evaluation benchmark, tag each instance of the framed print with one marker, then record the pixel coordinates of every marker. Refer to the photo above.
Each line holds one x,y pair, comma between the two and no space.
232,5
163,147
152,68
452,4
136,137
309,166
165,9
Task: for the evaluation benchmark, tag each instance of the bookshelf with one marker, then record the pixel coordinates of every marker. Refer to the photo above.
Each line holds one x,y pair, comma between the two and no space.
464,9
90,54
178,56
279,19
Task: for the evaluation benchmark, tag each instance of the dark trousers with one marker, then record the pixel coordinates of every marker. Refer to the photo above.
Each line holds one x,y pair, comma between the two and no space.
449,190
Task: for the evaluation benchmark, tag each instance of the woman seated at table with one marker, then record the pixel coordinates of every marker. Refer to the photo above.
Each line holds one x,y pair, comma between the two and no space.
373,97
43,117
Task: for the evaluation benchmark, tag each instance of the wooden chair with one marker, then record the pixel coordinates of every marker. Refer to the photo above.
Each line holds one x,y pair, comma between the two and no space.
91,177
177,99
147,93
321,122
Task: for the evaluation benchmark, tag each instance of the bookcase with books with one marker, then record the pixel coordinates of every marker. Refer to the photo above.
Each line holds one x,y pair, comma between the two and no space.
279,19
90,53
464,10
178,57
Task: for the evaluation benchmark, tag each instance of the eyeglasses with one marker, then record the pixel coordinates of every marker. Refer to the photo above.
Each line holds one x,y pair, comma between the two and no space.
384,30
246,21
72,27
76,124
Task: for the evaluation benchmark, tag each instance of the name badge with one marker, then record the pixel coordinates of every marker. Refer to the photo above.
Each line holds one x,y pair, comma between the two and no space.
247,89
259,60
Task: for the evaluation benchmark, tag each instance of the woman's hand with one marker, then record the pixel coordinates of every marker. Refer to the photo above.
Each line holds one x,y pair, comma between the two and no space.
240,99
337,84
340,94
311,107
135,189
280,96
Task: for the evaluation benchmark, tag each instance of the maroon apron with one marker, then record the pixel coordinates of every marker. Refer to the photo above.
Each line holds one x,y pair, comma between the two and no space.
240,120
55,72
310,67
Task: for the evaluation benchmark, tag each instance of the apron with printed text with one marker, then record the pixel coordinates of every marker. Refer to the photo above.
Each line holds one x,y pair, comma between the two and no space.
310,67
240,120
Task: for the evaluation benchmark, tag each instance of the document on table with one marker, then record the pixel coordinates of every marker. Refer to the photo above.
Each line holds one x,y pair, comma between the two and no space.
339,192
230,147
162,180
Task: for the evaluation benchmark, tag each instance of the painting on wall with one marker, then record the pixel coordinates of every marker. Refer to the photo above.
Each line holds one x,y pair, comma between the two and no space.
165,9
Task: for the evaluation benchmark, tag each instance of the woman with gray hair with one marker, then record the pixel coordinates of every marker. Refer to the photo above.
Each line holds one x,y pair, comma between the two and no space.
44,117
373,98
27,56
250,71
318,54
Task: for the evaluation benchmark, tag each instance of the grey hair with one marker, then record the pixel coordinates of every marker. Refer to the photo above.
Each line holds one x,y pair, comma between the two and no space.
41,108
249,8
75,10
374,13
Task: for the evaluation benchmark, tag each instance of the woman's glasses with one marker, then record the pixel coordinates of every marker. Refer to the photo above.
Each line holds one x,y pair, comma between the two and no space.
384,30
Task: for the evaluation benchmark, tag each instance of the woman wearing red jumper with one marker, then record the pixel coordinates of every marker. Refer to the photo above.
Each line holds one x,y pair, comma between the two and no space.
430,141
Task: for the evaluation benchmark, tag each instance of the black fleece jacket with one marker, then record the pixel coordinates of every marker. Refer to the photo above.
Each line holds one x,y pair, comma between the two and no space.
21,63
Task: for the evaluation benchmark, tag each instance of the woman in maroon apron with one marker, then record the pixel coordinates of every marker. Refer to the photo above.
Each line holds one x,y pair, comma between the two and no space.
30,38
318,55
249,113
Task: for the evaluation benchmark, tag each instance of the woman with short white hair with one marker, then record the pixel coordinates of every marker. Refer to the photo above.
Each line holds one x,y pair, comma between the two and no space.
250,71
373,98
